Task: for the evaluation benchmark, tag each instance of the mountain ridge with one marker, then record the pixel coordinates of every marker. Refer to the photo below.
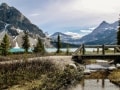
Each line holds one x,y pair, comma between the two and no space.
14,23
105,33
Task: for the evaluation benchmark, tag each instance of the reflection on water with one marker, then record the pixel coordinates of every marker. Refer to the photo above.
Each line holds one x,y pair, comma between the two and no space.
95,84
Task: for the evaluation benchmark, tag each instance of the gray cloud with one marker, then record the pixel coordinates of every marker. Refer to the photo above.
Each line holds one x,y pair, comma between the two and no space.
52,15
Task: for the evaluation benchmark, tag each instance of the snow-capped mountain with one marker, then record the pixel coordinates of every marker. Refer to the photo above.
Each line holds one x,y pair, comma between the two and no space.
105,33
14,23
64,37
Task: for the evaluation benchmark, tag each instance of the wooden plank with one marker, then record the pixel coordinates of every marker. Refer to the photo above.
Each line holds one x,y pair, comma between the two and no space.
100,46
83,47
104,57
109,57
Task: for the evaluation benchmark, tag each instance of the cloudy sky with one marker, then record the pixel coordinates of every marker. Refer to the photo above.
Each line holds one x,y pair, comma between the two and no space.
68,16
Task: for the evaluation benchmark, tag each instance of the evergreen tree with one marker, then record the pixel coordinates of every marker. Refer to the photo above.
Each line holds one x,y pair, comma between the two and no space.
39,47
67,51
26,43
58,44
118,34
5,45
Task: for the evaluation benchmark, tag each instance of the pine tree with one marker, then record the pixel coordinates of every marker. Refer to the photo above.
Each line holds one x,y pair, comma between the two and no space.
58,44
67,51
26,43
118,34
5,45
39,47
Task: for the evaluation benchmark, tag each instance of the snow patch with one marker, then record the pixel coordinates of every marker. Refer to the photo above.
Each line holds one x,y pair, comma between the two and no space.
13,27
15,38
19,30
6,26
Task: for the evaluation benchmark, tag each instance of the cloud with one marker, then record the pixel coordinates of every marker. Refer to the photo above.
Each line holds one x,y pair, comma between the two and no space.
77,35
74,35
35,14
85,31
89,30
52,15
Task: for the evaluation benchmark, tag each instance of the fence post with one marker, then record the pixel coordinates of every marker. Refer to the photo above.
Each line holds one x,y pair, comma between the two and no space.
103,49
97,50
114,50
83,49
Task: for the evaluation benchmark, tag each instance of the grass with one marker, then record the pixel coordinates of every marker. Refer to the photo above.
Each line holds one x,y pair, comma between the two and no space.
115,76
97,75
11,74
37,75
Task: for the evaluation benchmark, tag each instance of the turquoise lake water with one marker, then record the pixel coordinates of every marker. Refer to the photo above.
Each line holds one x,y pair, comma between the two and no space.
14,50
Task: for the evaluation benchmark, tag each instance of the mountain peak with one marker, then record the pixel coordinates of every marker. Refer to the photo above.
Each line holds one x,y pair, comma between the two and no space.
15,23
104,22
5,5
103,25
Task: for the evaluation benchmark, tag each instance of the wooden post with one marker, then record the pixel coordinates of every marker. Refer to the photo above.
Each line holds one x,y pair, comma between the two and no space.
103,49
83,49
103,83
114,50
97,50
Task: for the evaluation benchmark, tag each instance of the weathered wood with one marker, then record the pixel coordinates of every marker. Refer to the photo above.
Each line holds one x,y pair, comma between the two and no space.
100,46
83,49
103,49
97,50
114,50
97,55
76,51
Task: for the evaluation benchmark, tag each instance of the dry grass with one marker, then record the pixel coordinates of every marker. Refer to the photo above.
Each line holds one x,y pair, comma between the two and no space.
115,76
97,75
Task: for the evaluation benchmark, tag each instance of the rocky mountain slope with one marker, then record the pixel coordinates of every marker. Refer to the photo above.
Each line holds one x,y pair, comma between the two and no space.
105,33
63,37
14,23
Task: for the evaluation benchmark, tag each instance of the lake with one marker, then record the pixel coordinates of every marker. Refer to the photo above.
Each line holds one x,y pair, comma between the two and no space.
62,49
70,49
51,49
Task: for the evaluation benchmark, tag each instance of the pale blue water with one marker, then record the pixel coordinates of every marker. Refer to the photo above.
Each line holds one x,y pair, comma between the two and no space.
62,49
15,50
48,49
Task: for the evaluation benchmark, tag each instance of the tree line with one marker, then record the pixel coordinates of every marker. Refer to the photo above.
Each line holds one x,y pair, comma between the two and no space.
5,45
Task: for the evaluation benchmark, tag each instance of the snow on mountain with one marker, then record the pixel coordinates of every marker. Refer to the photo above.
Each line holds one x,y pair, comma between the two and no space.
105,33
14,23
